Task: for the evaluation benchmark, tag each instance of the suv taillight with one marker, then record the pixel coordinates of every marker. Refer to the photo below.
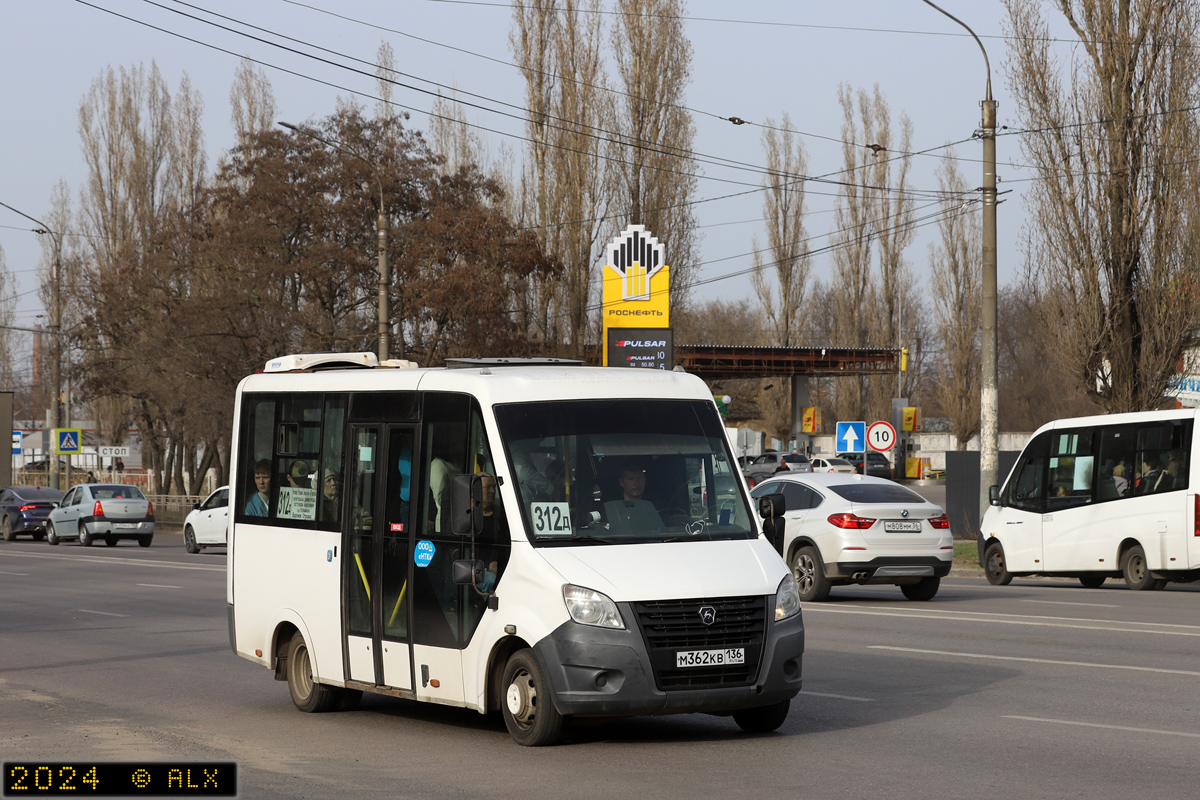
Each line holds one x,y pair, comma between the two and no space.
97,510
941,522
852,521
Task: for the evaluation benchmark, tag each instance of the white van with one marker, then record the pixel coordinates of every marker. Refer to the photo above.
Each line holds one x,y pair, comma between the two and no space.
1100,497
602,569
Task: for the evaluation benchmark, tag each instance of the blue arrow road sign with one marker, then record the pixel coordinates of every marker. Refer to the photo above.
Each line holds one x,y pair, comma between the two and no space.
851,437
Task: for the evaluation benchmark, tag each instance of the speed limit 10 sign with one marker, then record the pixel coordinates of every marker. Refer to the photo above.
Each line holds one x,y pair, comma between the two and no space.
881,436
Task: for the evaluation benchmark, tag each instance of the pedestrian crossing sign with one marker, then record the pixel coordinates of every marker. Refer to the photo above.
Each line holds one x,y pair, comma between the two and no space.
68,441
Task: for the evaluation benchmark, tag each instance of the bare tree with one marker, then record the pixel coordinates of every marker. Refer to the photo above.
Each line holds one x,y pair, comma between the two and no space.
251,102
871,286
657,175
955,265
1115,221
787,241
567,180
8,344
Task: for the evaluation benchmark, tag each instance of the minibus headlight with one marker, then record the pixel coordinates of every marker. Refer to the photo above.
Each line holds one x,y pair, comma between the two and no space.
787,599
588,607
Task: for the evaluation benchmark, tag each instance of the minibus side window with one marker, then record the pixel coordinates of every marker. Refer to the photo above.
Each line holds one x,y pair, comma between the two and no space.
1118,463
1071,468
257,441
1026,488
1163,455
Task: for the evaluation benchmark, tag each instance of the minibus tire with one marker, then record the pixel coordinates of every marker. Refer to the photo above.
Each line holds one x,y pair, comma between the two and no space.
1092,581
308,695
762,719
527,702
1135,570
993,565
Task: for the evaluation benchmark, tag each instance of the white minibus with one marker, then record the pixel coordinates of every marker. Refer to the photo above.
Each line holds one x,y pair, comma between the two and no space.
533,537
1099,497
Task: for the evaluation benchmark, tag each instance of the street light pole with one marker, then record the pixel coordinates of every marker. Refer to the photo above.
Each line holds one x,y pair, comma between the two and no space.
989,400
55,345
384,314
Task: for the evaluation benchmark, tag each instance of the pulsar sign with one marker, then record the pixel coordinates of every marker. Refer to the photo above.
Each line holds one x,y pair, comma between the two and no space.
647,348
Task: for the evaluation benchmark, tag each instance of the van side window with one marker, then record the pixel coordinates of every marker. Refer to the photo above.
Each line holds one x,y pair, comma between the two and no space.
1071,468
1026,487
1163,455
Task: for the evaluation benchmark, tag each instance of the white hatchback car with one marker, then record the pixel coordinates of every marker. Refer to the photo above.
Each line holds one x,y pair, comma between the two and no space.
833,464
844,529
207,523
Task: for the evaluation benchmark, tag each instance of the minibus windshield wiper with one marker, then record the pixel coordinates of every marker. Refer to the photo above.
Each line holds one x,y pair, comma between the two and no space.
588,538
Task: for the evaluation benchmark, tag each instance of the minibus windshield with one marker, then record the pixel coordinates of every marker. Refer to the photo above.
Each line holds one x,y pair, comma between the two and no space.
603,472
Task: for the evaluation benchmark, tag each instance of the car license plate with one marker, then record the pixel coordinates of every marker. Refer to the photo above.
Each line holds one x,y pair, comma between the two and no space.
903,527
124,526
710,658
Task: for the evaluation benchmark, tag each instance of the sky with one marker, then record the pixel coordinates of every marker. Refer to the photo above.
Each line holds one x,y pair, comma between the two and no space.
752,60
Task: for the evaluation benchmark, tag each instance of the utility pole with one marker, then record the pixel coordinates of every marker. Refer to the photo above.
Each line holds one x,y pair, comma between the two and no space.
383,313
989,400
55,343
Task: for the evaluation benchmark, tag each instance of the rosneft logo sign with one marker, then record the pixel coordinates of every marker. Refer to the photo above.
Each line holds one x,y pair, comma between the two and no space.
637,257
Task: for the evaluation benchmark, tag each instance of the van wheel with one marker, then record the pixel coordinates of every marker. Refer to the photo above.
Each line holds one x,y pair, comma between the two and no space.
308,695
189,540
762,719
809,574
923,589
529,712
85,538
1133,567
1092,581
51,535
994,565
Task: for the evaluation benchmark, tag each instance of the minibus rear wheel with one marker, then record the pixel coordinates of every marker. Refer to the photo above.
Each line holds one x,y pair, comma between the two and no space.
1135,570
527,704
308,695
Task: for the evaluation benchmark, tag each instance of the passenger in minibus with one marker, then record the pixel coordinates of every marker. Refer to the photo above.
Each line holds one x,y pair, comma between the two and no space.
257,505
1149,475
331,508
1119,481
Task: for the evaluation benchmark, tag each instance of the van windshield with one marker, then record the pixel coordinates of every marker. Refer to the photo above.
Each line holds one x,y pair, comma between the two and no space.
623,471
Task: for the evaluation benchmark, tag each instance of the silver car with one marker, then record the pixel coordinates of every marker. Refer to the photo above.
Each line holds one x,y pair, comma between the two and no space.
108,511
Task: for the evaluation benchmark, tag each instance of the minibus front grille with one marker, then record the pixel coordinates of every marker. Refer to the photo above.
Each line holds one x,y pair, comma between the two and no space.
671,626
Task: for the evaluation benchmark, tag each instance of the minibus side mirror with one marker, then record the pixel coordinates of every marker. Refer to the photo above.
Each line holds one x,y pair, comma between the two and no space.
771,508
994,495
466,505
467,572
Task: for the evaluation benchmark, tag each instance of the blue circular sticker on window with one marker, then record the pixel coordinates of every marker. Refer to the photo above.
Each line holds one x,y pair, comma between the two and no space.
424,554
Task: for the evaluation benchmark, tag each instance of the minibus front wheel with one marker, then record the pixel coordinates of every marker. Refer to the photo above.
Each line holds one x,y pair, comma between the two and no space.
994,566
527,703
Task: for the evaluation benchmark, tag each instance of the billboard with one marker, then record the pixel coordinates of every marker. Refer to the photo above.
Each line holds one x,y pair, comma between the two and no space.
635,290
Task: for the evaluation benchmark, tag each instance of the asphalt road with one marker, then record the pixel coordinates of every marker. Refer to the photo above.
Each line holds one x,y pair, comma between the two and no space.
1037,689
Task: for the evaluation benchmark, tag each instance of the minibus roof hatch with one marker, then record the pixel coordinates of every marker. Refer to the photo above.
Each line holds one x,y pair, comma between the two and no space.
466,363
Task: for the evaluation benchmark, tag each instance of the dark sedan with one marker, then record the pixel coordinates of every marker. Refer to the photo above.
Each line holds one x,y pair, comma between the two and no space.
877,464
25,509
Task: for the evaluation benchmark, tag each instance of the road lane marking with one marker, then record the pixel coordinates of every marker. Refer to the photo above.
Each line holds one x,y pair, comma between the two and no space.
1039,616
105,613
1109,727
158,586
1033,660
18,574
1065,603
838,696
137,562
1123,627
